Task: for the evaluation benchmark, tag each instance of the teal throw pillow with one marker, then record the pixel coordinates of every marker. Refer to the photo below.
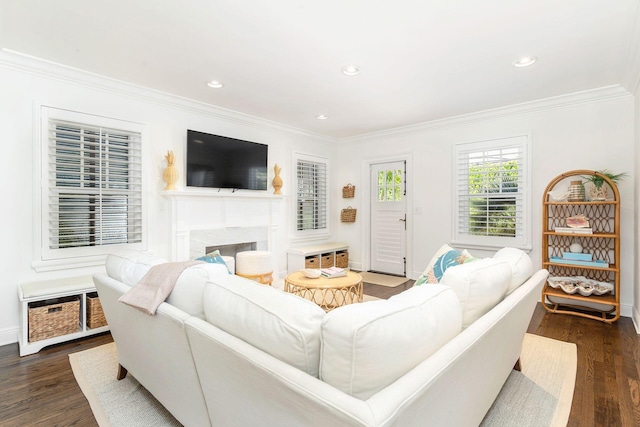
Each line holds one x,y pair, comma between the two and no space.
214,258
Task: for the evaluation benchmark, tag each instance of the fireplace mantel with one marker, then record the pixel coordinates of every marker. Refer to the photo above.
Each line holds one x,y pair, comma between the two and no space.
238,194
198,210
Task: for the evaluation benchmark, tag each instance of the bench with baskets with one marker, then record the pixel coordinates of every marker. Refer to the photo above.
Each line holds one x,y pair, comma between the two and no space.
56,311
318,256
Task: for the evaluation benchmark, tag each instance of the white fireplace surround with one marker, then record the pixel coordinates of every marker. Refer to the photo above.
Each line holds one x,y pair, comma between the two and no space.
205,218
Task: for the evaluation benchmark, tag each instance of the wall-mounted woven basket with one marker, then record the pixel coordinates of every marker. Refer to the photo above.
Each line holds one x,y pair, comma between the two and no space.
348,191
348,215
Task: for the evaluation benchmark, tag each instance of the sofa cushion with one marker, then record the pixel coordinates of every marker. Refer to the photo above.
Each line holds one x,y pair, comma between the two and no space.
129,266
281,324
188,292
367,346
480,285
521,266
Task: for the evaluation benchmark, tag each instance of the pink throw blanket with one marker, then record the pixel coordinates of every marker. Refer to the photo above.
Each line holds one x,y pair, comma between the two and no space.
155,286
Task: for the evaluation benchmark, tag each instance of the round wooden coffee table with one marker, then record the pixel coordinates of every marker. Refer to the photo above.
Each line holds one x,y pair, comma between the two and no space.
327,293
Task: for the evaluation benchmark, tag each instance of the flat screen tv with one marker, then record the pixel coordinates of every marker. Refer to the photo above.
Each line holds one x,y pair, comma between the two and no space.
221,162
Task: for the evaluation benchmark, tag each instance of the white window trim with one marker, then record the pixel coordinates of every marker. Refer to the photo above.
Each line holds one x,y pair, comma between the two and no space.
44,259
465,240
308,235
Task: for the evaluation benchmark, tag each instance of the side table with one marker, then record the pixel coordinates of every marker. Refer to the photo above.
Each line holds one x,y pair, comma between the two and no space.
327,293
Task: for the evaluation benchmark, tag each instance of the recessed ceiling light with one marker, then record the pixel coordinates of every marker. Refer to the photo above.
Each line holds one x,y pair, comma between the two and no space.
322,117
351,70
215,84
525,61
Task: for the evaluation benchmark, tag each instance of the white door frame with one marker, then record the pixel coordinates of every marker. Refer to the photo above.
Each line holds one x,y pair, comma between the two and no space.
366,207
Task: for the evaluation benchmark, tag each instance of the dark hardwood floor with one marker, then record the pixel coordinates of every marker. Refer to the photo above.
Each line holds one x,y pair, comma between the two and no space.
40,390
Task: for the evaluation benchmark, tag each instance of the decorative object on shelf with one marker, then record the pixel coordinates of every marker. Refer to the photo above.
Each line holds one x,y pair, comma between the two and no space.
558,195
576,191
581,285
348,191
577,221
170,174
598,191
575,248
277,181
348,215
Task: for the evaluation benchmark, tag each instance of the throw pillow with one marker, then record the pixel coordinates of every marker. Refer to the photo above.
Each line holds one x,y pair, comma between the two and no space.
215,258
444,258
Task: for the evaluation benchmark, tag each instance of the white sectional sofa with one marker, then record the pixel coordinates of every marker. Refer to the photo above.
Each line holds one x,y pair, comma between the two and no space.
226,351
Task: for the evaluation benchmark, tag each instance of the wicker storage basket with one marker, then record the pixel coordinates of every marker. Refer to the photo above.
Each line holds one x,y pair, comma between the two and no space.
95,314
312,262
348,215
348,191
52,318
342,259
327,260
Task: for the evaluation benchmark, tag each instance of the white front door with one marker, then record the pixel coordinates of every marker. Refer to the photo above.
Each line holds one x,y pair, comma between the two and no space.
388,218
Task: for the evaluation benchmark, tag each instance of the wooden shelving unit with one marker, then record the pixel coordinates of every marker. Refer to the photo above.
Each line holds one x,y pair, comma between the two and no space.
604,244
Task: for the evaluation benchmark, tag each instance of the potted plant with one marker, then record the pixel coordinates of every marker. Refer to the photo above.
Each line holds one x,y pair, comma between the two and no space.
597,190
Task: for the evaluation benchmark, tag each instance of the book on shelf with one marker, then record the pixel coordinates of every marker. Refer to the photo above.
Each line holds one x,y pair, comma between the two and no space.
595,263
571,230
577,256
332,272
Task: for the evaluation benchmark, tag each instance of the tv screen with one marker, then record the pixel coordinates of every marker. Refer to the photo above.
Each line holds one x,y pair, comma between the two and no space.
221,162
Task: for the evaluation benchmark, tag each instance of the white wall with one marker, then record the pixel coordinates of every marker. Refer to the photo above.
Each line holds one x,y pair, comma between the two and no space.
585,131
25,84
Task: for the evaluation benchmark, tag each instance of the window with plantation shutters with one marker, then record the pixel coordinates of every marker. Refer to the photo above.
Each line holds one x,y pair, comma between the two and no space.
92,170
492,193
311,194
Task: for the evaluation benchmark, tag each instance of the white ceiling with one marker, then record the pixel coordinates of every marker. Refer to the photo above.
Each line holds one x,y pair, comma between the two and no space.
281,60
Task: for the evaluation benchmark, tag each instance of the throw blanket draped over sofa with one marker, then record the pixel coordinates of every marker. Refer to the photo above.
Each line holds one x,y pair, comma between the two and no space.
224,350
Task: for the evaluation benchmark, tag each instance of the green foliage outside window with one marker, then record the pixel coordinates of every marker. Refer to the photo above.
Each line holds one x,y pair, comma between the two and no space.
492,209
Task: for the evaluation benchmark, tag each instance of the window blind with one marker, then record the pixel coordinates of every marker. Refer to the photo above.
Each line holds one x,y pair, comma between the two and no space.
311,195
490,187
95,185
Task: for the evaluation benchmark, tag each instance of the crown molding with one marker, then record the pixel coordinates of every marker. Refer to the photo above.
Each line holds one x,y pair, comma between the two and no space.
23,63
552,103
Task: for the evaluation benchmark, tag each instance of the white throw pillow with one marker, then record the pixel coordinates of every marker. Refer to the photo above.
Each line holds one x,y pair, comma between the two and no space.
278,323
480,285
367,346
188,293
129,266
521,266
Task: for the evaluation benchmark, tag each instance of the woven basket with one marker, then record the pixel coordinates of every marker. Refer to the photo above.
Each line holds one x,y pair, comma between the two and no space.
312,262
52,318
348,191
348,215
327,260
95,314
342,259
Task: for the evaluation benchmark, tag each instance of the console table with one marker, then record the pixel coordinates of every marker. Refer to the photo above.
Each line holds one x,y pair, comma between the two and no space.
318,256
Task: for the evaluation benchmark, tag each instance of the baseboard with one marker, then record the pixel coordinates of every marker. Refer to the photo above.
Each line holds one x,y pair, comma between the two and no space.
8,336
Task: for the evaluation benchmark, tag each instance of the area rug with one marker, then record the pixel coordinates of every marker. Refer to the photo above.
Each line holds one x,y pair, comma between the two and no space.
538,396
382,279
541,394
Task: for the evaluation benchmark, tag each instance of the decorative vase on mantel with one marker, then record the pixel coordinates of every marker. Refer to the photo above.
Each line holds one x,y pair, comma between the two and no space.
170,174
277,181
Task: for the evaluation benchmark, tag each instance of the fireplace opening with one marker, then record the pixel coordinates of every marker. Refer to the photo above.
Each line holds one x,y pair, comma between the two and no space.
233,249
